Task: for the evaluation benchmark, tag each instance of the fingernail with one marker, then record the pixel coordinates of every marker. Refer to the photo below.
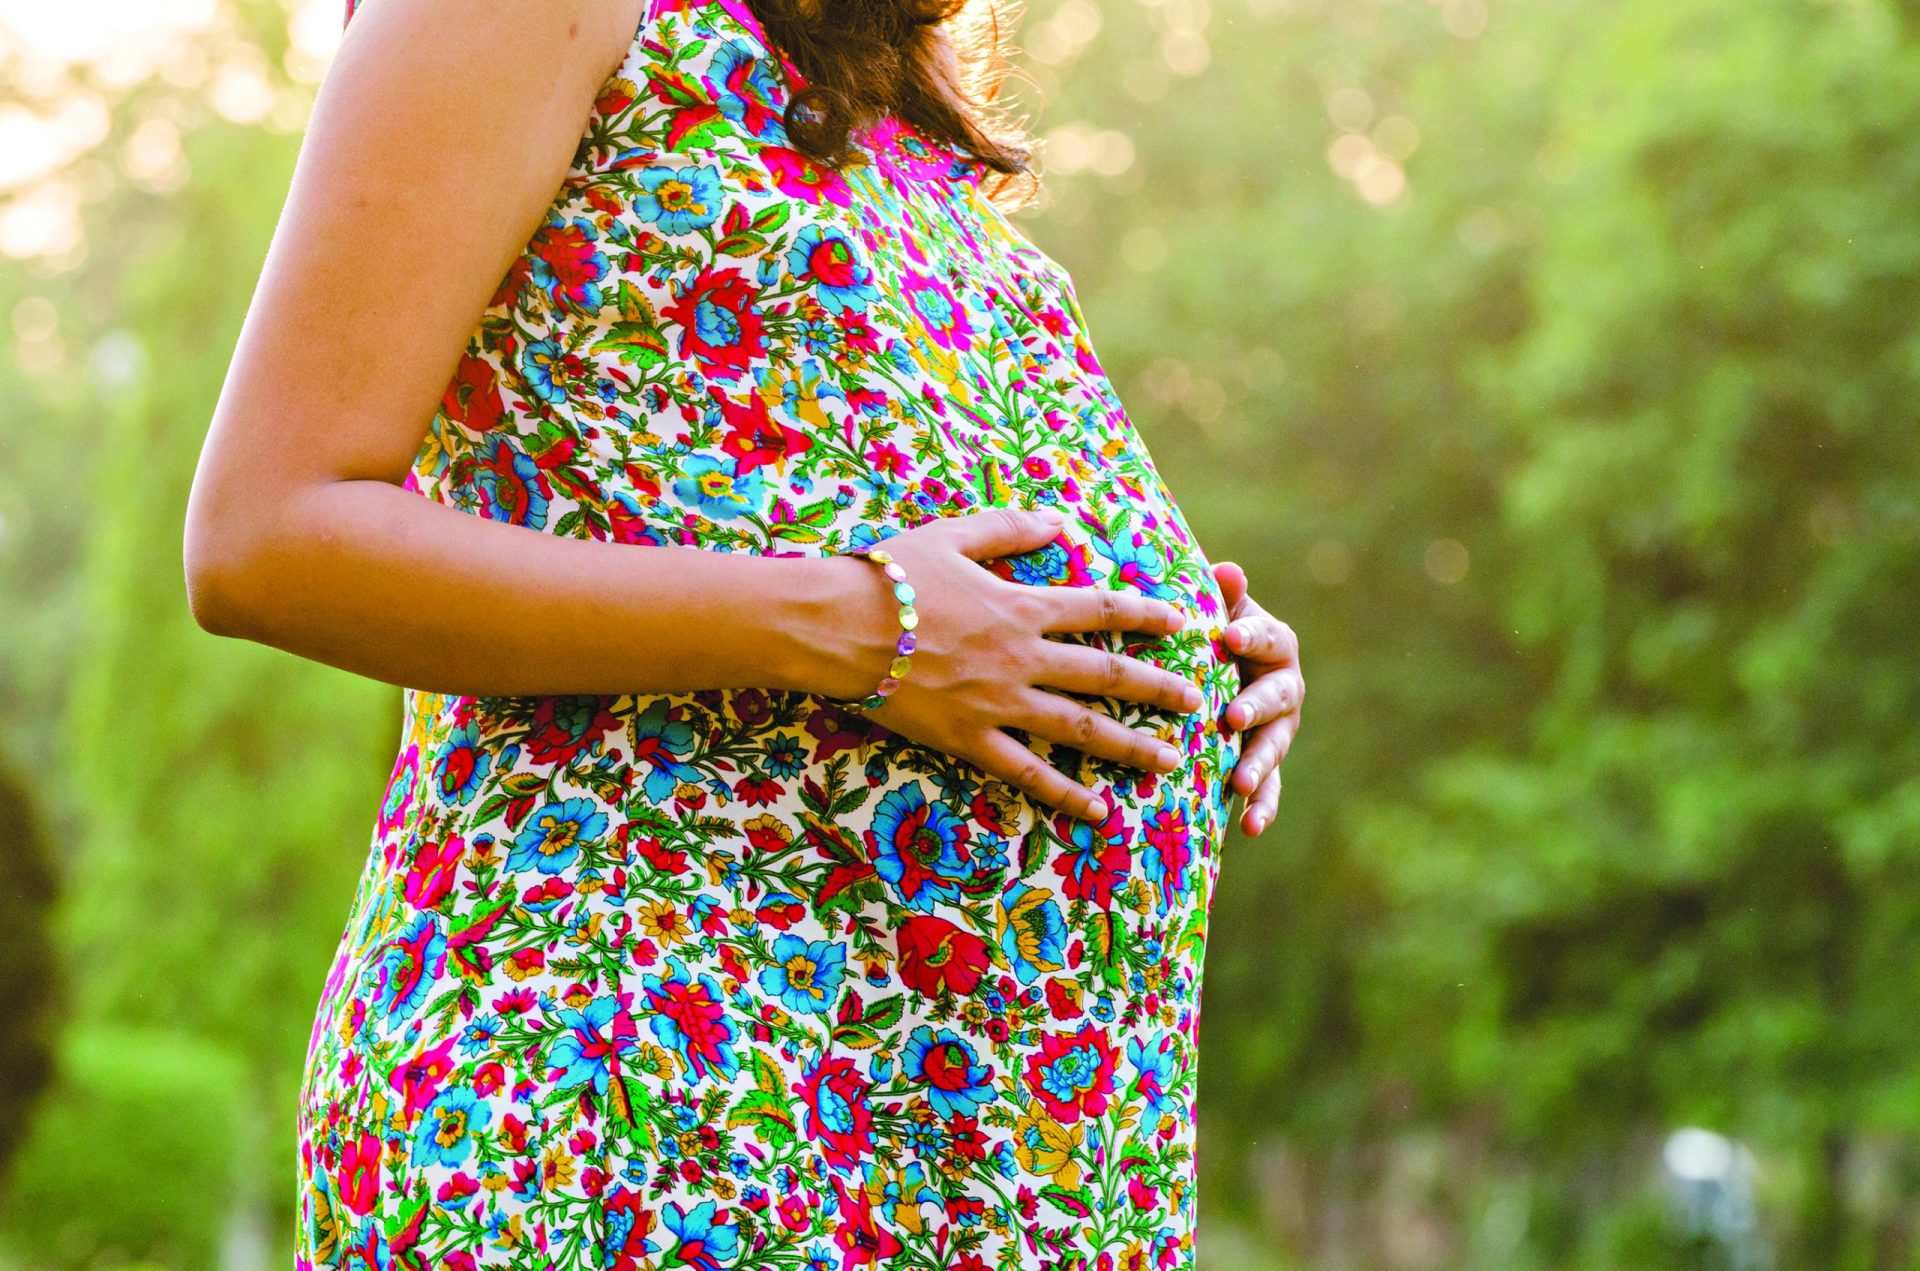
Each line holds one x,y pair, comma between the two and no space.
1191,698
1096,807
1166,759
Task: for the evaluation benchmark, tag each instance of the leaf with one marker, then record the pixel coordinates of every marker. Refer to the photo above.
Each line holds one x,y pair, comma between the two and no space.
638,344
745,243
476,927
858,1036
886,1012
768,1077
771,1119
634,305
524,783
1079,1202
794,533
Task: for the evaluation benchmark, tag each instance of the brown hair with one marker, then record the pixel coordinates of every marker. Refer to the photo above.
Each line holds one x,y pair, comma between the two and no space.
937,64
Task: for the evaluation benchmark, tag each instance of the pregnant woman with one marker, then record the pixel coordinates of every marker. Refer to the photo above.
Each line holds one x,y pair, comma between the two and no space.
821,723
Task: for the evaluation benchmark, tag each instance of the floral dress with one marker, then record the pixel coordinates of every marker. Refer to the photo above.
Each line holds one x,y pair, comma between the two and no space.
739,978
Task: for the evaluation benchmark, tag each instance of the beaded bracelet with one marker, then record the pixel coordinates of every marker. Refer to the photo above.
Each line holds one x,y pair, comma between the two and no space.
909,619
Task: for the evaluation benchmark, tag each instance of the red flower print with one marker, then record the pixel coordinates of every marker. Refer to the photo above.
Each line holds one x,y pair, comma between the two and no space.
568,262
839,1117
720,329
627,1225
797,175
430,877
564,725
862,1241
754,437
473,397
359,1177
419,1079
1096,857
1072,1075
936,956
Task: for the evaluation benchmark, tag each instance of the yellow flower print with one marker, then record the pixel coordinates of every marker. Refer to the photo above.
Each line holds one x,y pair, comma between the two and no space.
509,1234
794,392
588,932
661,920
1025,921
1005,802
326,1229
558,1168
942,364
433,455
1043,1146
998,491
768,826
655,1060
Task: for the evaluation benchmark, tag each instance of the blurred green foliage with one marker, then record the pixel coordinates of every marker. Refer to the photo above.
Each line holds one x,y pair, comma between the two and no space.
1553,368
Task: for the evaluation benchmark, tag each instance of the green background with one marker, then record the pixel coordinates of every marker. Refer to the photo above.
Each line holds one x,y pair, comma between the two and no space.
1553,367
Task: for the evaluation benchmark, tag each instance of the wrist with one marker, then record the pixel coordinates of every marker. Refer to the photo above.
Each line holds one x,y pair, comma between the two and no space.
842,628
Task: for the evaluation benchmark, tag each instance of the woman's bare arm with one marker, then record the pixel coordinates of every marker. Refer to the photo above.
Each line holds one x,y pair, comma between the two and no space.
440,138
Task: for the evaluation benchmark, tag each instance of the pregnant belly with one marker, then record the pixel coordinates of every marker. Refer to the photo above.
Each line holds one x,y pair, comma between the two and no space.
665,809
570,787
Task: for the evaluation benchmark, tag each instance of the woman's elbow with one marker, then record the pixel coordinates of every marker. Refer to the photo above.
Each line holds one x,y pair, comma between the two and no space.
222,562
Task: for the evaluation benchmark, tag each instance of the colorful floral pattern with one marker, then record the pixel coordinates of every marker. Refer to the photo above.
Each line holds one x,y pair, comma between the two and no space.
741,979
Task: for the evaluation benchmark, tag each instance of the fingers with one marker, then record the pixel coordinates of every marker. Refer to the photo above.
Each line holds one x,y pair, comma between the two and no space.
999,755
1267,697
1261,637
998,532
1103,673
1261,807
1070,609
1260,756
1060,719
1233,585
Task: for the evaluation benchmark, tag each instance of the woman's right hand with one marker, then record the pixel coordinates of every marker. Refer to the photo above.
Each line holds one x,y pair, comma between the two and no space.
983,662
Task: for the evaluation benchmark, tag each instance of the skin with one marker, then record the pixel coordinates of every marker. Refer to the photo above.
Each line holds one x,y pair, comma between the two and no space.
436,145
1267,708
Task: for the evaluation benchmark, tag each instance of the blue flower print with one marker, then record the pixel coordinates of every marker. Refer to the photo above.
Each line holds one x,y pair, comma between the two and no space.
958,1083
447,1127
461,766
717,488
679,200
705,1244
805,975
597,1034
552,837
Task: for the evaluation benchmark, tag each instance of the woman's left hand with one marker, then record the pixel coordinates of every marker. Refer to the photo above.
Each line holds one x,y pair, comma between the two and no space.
1267,711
